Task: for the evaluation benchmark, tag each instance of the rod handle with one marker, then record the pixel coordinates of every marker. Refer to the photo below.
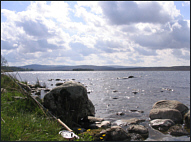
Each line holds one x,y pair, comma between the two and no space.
64,125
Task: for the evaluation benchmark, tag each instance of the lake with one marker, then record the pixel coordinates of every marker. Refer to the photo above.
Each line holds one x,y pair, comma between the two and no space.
111,92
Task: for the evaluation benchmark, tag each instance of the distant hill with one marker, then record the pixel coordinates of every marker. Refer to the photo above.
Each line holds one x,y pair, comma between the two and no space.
37,67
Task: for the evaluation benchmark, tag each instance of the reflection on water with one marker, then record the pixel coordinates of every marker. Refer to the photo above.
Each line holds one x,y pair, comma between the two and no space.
110,93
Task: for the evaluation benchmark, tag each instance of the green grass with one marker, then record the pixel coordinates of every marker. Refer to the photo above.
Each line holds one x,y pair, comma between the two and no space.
23,120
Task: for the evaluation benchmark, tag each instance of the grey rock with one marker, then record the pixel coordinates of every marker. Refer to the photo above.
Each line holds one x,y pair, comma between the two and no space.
171,104
69,101
128,121
59,83
120,113
166,113
47,89
94,119
105,124
177,130
140,129
115,133
162,124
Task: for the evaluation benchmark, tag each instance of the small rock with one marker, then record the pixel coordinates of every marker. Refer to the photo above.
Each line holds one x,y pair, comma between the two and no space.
59,83
94,119
105,124
140,129
161,124
125,77
115,98
115,133
136,137
140,111
37,93
115,91
120,113
177,130
128,121
134,92
46,89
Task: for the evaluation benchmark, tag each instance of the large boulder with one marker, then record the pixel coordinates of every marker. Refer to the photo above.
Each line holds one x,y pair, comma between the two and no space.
171,104
69,101
165,113
168,109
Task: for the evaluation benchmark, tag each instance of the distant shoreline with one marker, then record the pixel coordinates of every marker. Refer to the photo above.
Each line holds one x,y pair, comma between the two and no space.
95,68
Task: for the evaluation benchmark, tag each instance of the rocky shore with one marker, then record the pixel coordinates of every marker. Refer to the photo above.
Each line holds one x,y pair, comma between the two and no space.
70,100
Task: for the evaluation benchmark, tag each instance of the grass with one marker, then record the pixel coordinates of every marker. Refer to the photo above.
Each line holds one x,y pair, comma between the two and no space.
23,120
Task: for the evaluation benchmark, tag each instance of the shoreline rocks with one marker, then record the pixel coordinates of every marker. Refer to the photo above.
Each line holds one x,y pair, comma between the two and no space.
169,115
166,115
168,109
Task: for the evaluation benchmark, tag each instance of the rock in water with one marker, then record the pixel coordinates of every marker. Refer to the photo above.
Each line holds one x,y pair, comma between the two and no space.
168,109
162,124
171,104
165,113
69,101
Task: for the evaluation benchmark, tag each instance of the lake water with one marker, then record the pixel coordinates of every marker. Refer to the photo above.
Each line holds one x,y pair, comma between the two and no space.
111,93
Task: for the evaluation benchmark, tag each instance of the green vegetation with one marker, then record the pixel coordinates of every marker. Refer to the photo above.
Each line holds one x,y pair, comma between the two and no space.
23,120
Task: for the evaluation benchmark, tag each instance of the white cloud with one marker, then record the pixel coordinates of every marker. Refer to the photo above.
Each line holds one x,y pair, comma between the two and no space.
123,33
120,13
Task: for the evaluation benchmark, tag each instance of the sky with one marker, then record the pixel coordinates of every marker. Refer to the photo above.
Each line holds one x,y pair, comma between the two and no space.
127,33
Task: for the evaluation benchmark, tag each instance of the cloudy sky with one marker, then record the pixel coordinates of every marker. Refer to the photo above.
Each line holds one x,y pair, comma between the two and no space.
129,33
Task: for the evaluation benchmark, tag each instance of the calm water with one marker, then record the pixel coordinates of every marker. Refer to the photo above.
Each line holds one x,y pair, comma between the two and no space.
110,93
